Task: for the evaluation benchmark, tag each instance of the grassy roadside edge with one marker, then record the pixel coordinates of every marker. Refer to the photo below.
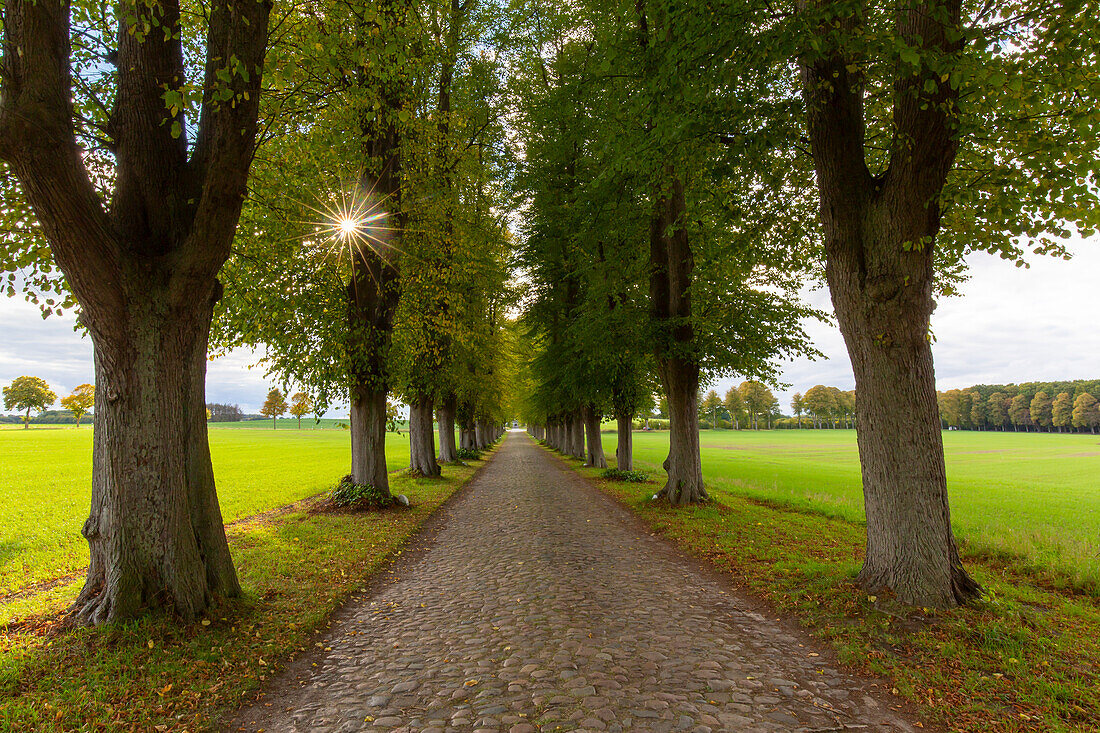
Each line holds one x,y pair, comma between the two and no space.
157,674
1026,658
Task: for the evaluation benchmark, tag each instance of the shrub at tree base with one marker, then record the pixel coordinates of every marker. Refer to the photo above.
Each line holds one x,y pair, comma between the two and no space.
468,454
636,477
359,497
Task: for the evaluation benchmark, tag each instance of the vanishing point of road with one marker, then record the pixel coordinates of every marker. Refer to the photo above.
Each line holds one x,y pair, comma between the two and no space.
534,602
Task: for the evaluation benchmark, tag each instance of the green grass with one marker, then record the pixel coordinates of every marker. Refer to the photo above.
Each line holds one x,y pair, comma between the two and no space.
160,675
1026,495
1024,658
46,488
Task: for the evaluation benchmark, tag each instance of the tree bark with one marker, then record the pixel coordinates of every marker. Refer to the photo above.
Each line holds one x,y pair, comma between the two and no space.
155,531
446,416
624,451
576,434
422,438
368,437
683,464
595,456
879,240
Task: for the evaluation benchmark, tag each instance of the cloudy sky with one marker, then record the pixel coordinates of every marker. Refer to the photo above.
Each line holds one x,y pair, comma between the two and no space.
1010,325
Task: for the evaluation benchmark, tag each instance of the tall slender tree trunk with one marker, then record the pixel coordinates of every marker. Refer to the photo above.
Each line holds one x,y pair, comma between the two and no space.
879,241
446,416
422,438
595,456
374,290
671,267
624,450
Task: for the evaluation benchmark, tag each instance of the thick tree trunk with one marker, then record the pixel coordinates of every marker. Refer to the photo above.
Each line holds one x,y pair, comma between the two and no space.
910,547
479,435
155,531
446,415
576,434
467,440
368,438
683,465
624,451
422,438
594,456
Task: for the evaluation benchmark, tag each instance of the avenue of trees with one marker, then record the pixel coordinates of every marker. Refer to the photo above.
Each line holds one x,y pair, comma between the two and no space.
668,142
333,182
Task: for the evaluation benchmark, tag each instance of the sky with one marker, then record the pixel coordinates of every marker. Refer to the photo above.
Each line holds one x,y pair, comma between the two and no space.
1009,325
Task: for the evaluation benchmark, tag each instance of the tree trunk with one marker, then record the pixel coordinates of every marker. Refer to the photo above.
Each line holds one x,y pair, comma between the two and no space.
479,435
624,451
422,438
576,424
879,242
595,456
446,415
684,466
155,531
368,438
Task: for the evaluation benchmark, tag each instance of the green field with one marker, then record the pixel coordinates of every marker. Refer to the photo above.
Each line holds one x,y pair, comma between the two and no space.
46,489
1032,495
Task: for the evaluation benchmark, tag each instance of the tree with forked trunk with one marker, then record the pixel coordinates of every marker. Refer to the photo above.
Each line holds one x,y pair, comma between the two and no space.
143,269
879,239
934,129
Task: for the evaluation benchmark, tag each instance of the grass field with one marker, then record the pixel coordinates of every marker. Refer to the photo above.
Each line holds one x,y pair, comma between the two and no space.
46,488
1033,496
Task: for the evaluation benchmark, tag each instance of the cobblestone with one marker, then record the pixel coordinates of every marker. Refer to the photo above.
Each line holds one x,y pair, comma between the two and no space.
542,605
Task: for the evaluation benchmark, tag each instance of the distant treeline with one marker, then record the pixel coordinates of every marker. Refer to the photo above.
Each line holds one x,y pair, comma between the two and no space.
225,413
49,417
1044,406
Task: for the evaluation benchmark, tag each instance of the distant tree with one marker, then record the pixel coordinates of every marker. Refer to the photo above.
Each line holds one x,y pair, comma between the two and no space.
1019,411
798,408
301,405
393,414
208,414
1062,411
978,409
1040,409
758,400
224,413
709,406
846,406
274,406
735,406
820,403
28,393
80,401
1086,412
996,409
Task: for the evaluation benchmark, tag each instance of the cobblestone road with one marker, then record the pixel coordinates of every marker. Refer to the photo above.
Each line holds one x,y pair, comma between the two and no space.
539,604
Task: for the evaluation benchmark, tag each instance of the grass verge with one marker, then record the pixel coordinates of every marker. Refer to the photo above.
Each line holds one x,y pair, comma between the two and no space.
1025,658
160,675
